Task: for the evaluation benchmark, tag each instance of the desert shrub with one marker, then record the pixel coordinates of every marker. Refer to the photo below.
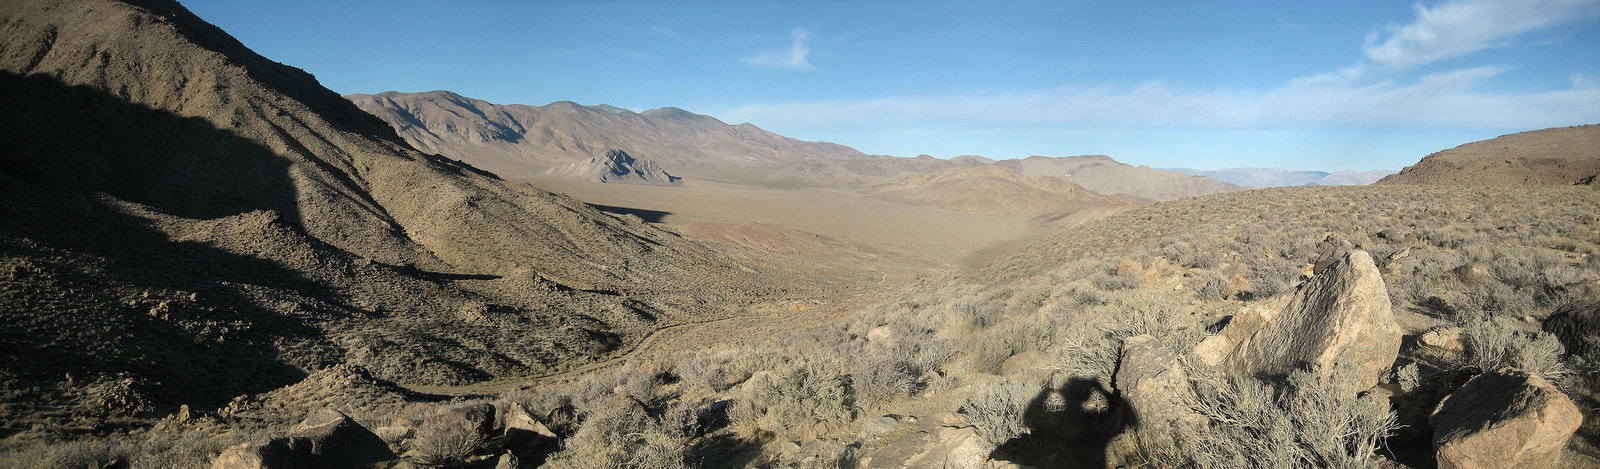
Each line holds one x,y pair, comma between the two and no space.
991,350
83,453
881,374
998,412
1215,287
703,373
1311,422
1407,377
624,435
1492,342
1108,282
1272,276
446,442
1029,300
802,398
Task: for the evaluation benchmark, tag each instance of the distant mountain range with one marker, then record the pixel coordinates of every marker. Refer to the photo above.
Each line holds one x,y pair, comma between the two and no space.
516,141
1277,177
522,141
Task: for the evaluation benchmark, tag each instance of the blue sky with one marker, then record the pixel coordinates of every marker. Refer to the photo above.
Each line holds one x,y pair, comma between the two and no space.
1204,84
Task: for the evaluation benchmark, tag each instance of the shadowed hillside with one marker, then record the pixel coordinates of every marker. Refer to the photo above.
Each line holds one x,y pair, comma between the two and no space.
187,222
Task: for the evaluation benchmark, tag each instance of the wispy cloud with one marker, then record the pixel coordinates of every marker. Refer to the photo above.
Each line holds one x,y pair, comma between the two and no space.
1353,97
793,58
1451,99
1460,27
666,32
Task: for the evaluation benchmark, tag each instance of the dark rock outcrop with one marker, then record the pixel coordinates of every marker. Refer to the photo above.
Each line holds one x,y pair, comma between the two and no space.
326,439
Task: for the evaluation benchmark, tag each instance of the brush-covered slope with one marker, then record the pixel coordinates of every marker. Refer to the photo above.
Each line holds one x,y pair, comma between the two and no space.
1102,174
186,221
1549,157
517,140
997,190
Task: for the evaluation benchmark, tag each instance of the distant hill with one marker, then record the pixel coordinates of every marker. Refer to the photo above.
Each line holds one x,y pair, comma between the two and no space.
863,172
998,190
1279,177
616,166
1550,157
1104,175
516,141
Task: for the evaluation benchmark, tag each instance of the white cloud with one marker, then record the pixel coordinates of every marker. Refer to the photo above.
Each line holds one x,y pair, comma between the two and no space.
1442,100
793,58
1460,27
1353,97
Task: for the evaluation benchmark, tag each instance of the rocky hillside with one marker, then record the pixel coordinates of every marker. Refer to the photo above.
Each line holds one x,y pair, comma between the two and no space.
186,221
616,166
1550,157
1102,174
997,190
517,140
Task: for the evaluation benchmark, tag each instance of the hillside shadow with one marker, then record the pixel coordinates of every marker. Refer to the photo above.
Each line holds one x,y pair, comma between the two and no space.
107,293
649,216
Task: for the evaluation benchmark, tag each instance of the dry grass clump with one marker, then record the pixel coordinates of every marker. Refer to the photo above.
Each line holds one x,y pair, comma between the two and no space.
999,412
1309,422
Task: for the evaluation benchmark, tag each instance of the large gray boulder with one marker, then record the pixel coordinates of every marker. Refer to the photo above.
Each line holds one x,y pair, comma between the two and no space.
325,439
1339,319
1505,418
1155,386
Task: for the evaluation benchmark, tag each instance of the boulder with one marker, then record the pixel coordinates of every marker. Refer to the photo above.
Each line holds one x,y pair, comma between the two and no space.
524,432
326,439
1443,343
1577,326
1503,418
1474,274
1155,386
1340,318
1330,250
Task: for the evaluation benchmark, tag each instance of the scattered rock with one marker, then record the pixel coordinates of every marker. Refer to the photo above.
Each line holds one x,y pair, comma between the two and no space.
1341,317
327,438
880,334
506,460
1474,274
1153,383
1504,418
1442,343
394,434
1577,326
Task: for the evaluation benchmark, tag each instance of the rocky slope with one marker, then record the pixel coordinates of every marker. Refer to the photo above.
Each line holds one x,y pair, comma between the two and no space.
517,140
1548,157
997,190
187,221
1102,174
615,166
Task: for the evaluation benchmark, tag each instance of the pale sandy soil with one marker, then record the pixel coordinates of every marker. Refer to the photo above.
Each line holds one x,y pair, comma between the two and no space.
922,235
